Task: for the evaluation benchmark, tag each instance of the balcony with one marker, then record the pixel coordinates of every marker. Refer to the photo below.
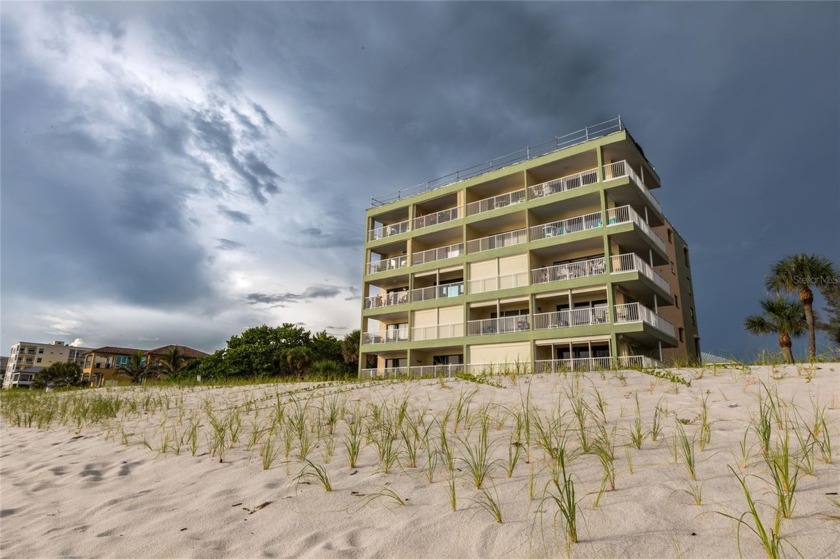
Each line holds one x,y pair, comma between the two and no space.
510,238
504,325
437,332
636,312
570,270
632,262
572,318
389,230
387,264
626,214
388,337
563,184
423,371
437,218
621,169
571,225
594,364
507,281
440,253
496,202
437,292
392,372
387,300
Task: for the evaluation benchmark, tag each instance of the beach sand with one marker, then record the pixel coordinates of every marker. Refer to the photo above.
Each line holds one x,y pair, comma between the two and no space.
70,491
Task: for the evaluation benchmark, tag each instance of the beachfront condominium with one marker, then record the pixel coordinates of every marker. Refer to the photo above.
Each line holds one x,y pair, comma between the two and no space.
26,358
558,257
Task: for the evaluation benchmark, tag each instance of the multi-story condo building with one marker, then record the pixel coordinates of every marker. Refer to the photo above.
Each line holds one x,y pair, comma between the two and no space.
554,258
32,355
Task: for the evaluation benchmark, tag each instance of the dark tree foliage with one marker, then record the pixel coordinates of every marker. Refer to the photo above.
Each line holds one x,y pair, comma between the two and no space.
58,375
274,351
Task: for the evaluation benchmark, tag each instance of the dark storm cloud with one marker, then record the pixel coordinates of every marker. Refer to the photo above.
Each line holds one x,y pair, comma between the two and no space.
312,292
235,216
227,244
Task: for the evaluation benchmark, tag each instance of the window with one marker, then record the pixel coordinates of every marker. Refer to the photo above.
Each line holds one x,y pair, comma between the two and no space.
670,236
122,360
682,335
38,360
677,301
40,350
693,319
448,359
685,253
673,269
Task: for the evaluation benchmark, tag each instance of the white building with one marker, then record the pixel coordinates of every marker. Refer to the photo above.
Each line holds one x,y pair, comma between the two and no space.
27,355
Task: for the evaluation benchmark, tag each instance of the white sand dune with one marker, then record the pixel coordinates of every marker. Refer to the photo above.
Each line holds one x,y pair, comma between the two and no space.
64,494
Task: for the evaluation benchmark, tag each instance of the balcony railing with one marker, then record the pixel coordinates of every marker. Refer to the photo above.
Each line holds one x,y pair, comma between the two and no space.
624,214
598,314
594,363
510,238
437,332
388,337
496,202
565,226
636,312
437,292
387,372
436,218
507,281
630,262
440,253
502,325
388,230
387,264
556,186
570,270
386,300
620,169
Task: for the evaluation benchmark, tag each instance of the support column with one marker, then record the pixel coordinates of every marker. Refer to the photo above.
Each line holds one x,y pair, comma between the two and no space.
600,157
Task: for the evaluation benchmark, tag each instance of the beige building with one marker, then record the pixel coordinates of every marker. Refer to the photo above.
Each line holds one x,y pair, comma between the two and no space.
29,355
559,257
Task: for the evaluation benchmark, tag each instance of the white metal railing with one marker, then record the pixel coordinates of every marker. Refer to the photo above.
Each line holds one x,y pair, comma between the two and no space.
388,230
569,270
436,218
496,202
555,186
636,312
525,154
510,238
437,292
620,169
502,325
598,314
507,281
435,371
439,253
624,214
594,363
564,226
630,262
387,337
437,331
387,264
386,299
387,372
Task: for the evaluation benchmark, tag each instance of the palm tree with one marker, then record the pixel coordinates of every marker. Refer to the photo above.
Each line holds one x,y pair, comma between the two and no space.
798,273
138,368
781,316
173,361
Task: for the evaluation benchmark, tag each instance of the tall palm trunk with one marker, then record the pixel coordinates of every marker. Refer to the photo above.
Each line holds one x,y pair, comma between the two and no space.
785,343
806,297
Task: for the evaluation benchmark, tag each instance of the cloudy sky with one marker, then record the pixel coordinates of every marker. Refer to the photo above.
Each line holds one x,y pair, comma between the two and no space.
176,173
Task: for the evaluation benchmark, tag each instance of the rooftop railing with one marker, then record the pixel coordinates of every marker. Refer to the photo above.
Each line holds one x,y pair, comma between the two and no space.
528,152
